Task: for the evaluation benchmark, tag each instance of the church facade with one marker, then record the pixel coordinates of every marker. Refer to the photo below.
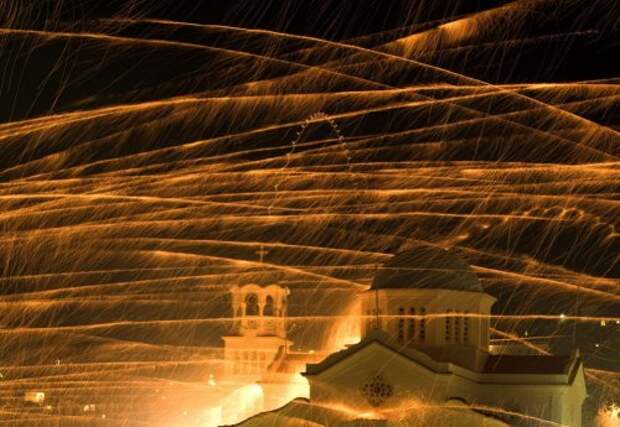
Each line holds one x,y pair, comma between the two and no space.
424,359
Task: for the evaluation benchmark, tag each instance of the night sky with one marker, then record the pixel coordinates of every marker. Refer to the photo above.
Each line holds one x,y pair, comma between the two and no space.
549,41
145,161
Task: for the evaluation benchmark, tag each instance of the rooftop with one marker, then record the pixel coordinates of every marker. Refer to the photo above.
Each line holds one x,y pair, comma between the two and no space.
428,267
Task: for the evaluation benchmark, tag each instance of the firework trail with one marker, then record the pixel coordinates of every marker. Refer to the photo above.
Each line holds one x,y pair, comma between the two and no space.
155,157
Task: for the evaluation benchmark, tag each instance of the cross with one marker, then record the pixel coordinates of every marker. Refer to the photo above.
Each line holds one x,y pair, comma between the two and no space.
262,252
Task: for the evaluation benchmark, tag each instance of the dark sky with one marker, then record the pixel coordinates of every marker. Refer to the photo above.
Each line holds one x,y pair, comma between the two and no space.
594,56
570,58
552,41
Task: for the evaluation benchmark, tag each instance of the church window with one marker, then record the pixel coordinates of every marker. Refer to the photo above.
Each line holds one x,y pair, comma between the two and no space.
236,362
457,328
251,305
401,325
268,310
244,363
377,390
449,326
263,360
412,321
466,328
255,361
422,324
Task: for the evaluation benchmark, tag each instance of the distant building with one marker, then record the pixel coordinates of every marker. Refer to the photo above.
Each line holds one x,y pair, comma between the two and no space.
34,396
424,359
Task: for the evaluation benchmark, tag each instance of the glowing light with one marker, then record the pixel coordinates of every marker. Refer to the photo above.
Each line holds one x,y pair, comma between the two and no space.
242,403
212,417
211,381
34,396
142,207
609,415
370,415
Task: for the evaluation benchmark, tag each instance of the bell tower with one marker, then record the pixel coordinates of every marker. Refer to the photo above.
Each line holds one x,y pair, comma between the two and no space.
258,331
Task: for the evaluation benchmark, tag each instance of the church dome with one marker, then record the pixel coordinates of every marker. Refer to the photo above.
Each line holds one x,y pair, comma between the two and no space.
427,267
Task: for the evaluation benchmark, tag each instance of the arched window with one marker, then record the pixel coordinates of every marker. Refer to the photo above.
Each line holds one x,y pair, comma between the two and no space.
245,363
251,305
236,362
412,321
466,328
254,362
449,326
401,325
263,360
268,310
422,325
457,328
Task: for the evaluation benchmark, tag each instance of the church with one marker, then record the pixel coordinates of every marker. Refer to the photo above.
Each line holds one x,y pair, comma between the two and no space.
424,358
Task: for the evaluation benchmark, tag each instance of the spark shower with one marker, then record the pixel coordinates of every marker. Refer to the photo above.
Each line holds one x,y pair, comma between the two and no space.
154,156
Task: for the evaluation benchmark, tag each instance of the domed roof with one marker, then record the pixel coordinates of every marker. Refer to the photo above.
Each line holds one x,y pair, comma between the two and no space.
427,267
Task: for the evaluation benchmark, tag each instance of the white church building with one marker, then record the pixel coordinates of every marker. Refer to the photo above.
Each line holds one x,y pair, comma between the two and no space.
424,359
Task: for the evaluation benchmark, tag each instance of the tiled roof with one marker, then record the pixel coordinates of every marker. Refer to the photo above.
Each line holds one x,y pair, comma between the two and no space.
527,364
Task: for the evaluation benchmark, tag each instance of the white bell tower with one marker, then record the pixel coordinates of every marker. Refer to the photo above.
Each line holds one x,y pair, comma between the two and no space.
259,329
